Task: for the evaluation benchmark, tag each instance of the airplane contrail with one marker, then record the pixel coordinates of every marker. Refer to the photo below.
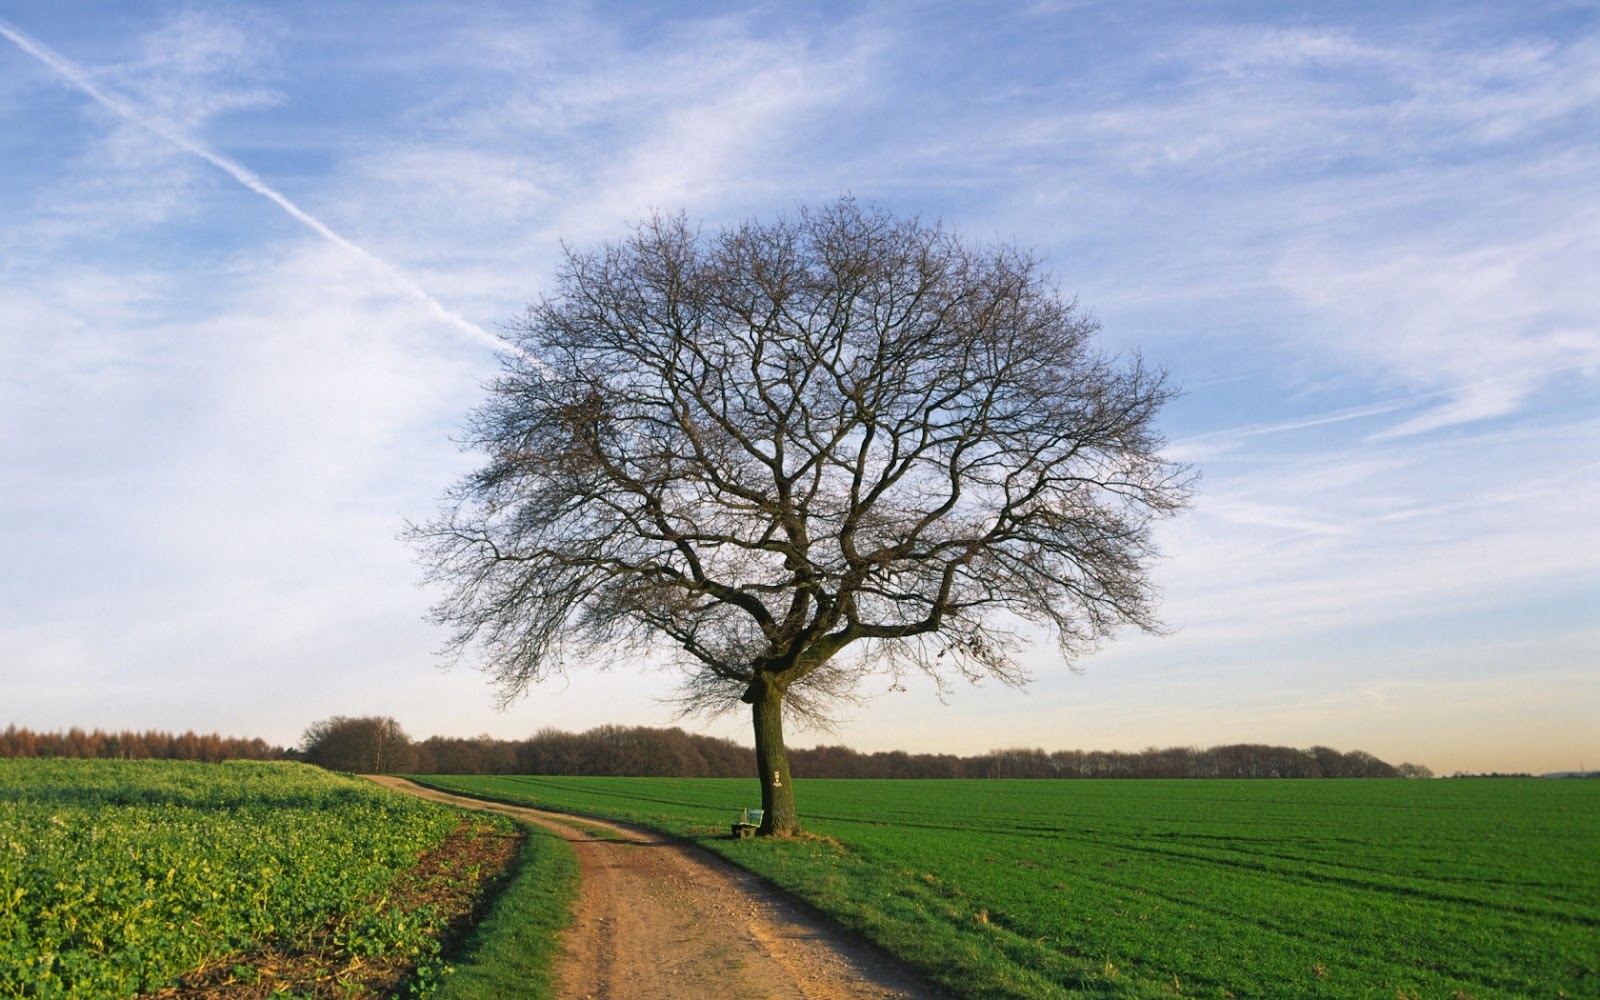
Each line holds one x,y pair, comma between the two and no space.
250,180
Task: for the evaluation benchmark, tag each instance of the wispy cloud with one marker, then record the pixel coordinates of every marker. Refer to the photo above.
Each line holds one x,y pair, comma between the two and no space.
1490,320
1293,540
1417,203
1359,237
569,129
1199,447
165,130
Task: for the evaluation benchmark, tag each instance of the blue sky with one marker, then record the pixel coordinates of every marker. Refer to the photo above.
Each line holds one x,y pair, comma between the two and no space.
253,258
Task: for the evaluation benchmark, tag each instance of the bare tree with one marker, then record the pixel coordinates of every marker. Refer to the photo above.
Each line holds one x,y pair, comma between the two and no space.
795,452
369,744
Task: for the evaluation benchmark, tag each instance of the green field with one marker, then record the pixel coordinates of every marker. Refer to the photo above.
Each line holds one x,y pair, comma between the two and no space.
1269,889
116,877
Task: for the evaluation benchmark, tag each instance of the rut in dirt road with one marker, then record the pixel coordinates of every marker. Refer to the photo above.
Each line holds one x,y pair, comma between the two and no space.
658,919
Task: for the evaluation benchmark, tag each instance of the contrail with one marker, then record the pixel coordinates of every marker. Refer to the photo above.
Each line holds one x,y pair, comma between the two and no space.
250,180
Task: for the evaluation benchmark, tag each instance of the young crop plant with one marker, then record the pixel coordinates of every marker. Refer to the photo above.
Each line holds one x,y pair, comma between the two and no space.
118,878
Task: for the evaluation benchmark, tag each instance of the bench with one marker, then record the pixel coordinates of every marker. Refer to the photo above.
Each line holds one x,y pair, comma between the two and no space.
748,823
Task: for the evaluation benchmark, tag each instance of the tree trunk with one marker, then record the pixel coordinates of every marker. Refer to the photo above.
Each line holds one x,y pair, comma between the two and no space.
778,814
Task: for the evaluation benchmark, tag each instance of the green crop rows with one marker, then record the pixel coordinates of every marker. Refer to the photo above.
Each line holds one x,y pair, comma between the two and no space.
1272,889
117,876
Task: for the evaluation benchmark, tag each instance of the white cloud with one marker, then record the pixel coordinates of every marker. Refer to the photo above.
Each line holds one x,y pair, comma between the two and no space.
1490,319
201,65
226,509
568,134
1272,95
1422,206
127,170
1296,542
1353,238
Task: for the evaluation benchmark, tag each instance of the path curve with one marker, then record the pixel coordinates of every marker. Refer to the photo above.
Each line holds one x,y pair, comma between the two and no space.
658,918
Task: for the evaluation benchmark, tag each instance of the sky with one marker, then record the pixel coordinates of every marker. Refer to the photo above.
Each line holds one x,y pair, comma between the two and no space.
255,259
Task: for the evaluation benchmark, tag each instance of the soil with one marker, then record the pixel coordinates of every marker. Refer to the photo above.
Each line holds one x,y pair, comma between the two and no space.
659,918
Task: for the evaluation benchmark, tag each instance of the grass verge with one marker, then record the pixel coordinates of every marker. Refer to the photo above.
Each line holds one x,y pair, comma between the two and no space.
511,952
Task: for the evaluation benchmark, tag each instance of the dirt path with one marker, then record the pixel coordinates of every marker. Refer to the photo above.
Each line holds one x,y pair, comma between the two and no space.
657,919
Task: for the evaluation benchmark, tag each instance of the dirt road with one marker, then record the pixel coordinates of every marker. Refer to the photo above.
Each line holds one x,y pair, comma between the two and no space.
659,919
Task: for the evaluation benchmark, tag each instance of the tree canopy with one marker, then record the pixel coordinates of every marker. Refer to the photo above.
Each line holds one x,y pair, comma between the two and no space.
797,451
368,744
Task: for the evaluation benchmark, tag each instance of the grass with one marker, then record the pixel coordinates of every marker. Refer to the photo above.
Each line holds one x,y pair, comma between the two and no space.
118,877
512,951
1270,889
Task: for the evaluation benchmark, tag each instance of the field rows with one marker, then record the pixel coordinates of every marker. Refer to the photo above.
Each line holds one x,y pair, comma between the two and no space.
118,876
115,877
1272,889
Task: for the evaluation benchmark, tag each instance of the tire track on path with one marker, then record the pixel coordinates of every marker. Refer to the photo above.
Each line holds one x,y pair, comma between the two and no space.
657,918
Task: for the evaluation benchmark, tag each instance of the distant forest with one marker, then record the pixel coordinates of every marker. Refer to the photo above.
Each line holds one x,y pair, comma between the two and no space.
129,745
376,744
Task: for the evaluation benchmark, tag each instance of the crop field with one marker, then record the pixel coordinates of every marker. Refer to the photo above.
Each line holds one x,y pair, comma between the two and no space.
117,877
1391,890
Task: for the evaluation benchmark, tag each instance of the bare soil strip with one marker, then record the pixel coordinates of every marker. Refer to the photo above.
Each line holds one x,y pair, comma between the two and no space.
659,918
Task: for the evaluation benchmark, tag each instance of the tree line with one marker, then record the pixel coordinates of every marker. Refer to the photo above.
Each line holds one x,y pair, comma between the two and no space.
131,745
379,744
